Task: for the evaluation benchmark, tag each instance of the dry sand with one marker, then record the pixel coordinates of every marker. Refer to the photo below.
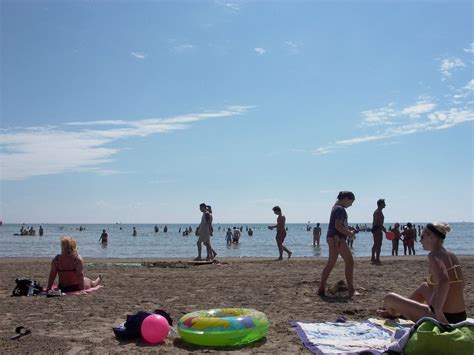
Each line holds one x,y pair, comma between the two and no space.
284,290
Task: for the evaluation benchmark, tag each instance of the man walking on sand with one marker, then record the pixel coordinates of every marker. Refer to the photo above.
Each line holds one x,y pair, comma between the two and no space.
377,231
204,233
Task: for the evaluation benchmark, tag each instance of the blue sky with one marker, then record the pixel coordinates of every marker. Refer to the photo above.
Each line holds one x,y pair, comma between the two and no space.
137,111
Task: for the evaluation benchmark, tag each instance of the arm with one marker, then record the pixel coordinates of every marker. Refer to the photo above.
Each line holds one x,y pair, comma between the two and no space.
52,274
440,275
80,272
341,229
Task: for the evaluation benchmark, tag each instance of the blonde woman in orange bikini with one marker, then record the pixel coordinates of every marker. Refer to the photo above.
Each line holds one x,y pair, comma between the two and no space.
441,296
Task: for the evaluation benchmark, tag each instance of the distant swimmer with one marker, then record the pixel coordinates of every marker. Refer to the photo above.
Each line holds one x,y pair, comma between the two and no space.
156,229
134,232
104,237
40,231
250,231
165,229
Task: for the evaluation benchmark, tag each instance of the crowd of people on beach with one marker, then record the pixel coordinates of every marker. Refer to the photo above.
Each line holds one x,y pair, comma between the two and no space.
440,297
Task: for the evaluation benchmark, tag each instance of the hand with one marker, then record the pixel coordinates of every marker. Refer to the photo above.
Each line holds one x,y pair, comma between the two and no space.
270,227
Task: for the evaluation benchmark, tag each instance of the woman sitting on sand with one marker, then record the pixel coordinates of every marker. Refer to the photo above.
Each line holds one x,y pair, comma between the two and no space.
441,296
69,267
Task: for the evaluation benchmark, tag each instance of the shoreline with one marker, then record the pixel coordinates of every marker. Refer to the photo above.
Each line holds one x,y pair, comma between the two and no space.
284,291
8,259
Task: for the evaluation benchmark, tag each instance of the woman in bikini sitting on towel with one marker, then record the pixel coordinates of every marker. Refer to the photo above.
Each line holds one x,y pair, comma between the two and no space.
69,267
441,296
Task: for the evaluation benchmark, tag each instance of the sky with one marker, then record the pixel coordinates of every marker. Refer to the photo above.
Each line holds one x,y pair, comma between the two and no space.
138,111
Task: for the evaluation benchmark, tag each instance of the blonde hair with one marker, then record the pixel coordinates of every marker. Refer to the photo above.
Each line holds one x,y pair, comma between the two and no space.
439,229
68,246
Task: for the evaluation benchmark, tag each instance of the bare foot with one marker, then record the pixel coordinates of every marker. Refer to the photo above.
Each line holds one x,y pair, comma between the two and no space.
384,313
280,258
197,259
353,292
289,254
321,292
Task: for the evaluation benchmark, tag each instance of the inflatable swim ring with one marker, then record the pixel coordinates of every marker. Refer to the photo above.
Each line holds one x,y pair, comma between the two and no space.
223,327
390,235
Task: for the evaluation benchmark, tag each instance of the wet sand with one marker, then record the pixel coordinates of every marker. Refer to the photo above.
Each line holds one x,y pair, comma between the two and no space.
284,290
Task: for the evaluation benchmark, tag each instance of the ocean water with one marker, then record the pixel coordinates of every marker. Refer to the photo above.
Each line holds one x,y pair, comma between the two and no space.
148,244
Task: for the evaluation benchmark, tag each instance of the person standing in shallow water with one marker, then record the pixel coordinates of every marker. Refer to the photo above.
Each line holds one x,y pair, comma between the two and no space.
338,230
316,235
281,232
377,231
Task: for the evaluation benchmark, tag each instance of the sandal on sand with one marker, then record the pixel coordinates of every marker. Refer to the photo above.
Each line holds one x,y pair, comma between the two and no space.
20,331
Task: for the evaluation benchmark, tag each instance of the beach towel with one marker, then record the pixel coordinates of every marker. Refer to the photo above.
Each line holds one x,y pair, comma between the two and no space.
350,337
78,293
371,336
428,336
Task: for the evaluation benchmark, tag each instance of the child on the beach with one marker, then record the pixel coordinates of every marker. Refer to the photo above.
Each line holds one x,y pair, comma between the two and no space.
228,236
396,240
441,296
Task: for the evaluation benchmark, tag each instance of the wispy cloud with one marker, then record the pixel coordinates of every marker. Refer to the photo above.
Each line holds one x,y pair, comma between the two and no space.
470,48
379,116
35,151
450,64
292,47
181,48
260,51
416,110
138,55
232,6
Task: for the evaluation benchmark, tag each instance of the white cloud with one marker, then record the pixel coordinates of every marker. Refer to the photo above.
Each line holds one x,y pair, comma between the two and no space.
138,55
419,108
450,64
232,6
364,139
38,151
470,49
181,48
292,47
379,116
260,51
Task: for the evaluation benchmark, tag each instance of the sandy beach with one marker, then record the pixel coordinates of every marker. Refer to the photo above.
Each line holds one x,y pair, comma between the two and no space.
284,290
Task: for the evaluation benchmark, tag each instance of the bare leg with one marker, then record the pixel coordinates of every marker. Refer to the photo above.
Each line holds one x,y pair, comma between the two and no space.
346,255
88,283
199,246
396,304
333,254
422,294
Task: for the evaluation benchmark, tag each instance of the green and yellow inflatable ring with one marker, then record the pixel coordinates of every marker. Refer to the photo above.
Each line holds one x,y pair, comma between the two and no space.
223,326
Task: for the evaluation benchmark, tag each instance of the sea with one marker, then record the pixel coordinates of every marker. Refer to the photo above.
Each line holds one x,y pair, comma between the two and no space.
172,244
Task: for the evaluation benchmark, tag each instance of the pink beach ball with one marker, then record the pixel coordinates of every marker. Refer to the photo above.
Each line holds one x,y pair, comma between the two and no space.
155,329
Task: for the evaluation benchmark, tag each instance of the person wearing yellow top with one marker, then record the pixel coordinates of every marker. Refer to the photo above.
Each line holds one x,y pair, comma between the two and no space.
441,296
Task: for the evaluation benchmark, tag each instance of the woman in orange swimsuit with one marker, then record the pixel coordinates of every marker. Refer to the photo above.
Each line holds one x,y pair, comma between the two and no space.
441,296
69,267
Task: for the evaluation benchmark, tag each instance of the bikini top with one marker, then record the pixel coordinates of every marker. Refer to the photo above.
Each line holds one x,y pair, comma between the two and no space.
456,278
65,270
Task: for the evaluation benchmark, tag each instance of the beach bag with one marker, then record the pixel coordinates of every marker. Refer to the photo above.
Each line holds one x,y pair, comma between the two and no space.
131,328
27,287
428,336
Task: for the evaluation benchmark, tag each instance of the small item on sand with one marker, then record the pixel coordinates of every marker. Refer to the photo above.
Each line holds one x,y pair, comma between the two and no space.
20,331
